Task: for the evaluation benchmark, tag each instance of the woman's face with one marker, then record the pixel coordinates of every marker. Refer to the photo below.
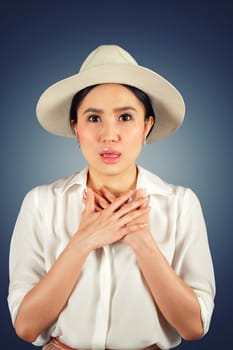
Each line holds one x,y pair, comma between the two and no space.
111,128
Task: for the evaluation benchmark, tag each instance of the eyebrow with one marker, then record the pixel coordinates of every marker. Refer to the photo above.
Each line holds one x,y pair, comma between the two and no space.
118,109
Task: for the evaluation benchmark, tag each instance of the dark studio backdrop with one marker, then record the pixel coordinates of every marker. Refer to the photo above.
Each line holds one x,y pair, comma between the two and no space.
190,44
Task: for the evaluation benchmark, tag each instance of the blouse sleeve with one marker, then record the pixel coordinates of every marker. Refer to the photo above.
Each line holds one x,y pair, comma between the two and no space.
192,260
26,263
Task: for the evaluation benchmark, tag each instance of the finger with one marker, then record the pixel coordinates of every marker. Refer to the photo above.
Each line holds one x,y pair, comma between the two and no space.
139,193
144,218
132,215
119,201
132,206
108,195
134,228
100,201
89,201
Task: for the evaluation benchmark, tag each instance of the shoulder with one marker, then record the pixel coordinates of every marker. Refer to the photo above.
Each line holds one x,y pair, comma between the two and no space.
43,193
158,186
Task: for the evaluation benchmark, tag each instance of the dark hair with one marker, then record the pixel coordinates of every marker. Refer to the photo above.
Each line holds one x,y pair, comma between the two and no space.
142,96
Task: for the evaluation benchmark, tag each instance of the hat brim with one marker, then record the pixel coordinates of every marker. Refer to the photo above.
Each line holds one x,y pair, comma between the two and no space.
54,104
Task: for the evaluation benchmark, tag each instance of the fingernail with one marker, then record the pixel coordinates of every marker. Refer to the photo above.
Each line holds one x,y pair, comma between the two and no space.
143,225
85,193
132,197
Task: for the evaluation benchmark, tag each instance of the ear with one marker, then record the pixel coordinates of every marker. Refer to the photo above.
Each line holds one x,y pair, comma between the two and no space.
148,125
73,124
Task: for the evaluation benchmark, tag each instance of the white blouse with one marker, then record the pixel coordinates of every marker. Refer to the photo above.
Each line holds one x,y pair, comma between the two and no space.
111,307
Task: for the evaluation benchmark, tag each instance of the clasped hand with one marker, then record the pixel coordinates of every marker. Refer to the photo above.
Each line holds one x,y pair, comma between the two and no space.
107,218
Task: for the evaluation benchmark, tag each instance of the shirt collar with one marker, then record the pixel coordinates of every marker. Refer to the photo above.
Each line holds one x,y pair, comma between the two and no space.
78,179
149,182
152,184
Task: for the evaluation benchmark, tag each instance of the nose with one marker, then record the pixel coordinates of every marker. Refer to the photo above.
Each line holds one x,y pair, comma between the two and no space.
109,133
109,138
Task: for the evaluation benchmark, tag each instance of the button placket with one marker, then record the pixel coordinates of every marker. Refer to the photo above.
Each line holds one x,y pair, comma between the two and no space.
103,310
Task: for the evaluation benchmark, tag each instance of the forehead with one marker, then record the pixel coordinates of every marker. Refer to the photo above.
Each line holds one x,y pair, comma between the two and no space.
111,94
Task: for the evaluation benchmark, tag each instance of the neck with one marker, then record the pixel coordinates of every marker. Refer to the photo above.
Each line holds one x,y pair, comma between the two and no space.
117,183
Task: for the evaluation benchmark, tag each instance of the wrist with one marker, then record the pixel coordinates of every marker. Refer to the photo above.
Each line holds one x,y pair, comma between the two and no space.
147,245
79,245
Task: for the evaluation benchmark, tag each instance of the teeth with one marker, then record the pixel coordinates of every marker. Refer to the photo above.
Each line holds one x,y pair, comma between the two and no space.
109,155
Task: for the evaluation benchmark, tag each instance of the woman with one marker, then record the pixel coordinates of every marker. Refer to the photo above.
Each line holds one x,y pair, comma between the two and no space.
111,257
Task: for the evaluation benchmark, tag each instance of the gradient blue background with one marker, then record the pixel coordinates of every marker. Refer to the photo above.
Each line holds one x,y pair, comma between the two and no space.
190,43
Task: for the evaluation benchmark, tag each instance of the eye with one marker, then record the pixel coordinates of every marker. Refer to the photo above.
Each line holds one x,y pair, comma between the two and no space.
94,118
125,117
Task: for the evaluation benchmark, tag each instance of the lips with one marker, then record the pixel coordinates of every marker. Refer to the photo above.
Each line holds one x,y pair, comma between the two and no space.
108,152
109,155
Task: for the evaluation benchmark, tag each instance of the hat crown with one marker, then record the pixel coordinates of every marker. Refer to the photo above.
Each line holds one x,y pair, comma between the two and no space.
107,54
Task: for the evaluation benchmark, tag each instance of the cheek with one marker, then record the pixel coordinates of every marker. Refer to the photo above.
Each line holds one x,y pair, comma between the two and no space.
134,133
85,136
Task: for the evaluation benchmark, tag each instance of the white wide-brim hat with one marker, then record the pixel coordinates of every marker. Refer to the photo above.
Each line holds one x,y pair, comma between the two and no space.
112,64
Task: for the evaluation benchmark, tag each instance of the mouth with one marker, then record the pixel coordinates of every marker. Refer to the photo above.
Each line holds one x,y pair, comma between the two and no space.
109,156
